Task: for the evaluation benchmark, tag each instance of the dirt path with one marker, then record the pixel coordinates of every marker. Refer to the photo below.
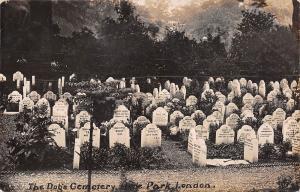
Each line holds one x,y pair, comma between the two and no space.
178,157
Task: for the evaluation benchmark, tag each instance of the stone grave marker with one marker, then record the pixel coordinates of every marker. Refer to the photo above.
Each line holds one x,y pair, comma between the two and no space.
186,123
244,132
232,121
160,117
202,132
151,136
230,108
278,116
175,115
122,113
258,100
58,134
119,133
18,76
265,134
248,99
225,134
221,97
199,152
290,127
251,150
84,134
14,97
191,101
82,118
34,96
296,145
191,139
140,122
50,96
26,103
76,158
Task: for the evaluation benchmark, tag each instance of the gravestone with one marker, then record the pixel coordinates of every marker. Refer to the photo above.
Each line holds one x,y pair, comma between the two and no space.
230,108
278,116
243,82
249,85
122,113
76,158
14,97
26,103
191,139
202,132
172,89
221,97
219,106
183,91
232,121
262,89
84,134
18,76
43,104
290,105
176,115
268,119
244,132
199,152
219,116
167,85
258,100
155,93
186,123
225,134
67,96
296,115
82,118
294,85
160,117
140,123
166,94
251,150
34,96
290,127
191,101
2,78
151,136
296,145
60,113
265,134
58,134
119,133
50,96
206,93
248,99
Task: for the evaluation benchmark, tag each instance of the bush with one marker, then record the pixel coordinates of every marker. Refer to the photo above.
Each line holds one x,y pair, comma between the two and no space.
225,151
286,183
99,155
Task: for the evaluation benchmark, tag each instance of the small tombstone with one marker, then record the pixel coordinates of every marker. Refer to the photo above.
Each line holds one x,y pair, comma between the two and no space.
290,105
265,134
251,149
141,122
122,113
221,97
186,123
202,132
248,99
191,101
294,85
167,85
247,107
289,129
220,107
76,159
278,116
230,108
67,96
119,133
84,134
225,134
210,120
82,117
244,132
26,103
296,145
18,76
230,96
155,93
175,115
207,92
160,117
34,96
268,119
262,89
258,99
58,134
200,152
151,136
243,82
14,97
2,78
166,94
50,96
232,121
183,91
219,116
172,89
191,139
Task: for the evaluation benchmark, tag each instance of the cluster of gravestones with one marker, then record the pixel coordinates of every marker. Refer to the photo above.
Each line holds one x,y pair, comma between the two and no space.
223,116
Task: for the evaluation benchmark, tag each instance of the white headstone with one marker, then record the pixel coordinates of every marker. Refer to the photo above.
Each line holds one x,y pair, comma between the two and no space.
119,134
186,123
151,136
76,159
122,113
82,117
200,152
191,139
58,134
225,134
265,134
244,132
232,121
296,145
84,134
202,132
191,101
251,150
160,117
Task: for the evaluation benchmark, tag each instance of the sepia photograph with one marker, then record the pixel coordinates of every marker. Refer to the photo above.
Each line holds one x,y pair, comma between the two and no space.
150,95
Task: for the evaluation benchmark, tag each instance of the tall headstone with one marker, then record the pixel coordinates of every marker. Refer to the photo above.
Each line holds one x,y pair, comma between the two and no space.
191,139
200,152
76,158
296,145
251,149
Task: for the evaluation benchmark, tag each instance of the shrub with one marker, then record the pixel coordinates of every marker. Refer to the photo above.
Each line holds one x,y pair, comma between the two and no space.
225,151
99,155
266,152
286,183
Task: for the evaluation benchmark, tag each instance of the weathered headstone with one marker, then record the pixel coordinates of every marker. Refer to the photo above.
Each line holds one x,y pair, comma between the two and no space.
151,136
265,134
84,134
119,133
232,121
186,123
160,117
278,116
58,134
200,152
122,113
191,101
224,134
